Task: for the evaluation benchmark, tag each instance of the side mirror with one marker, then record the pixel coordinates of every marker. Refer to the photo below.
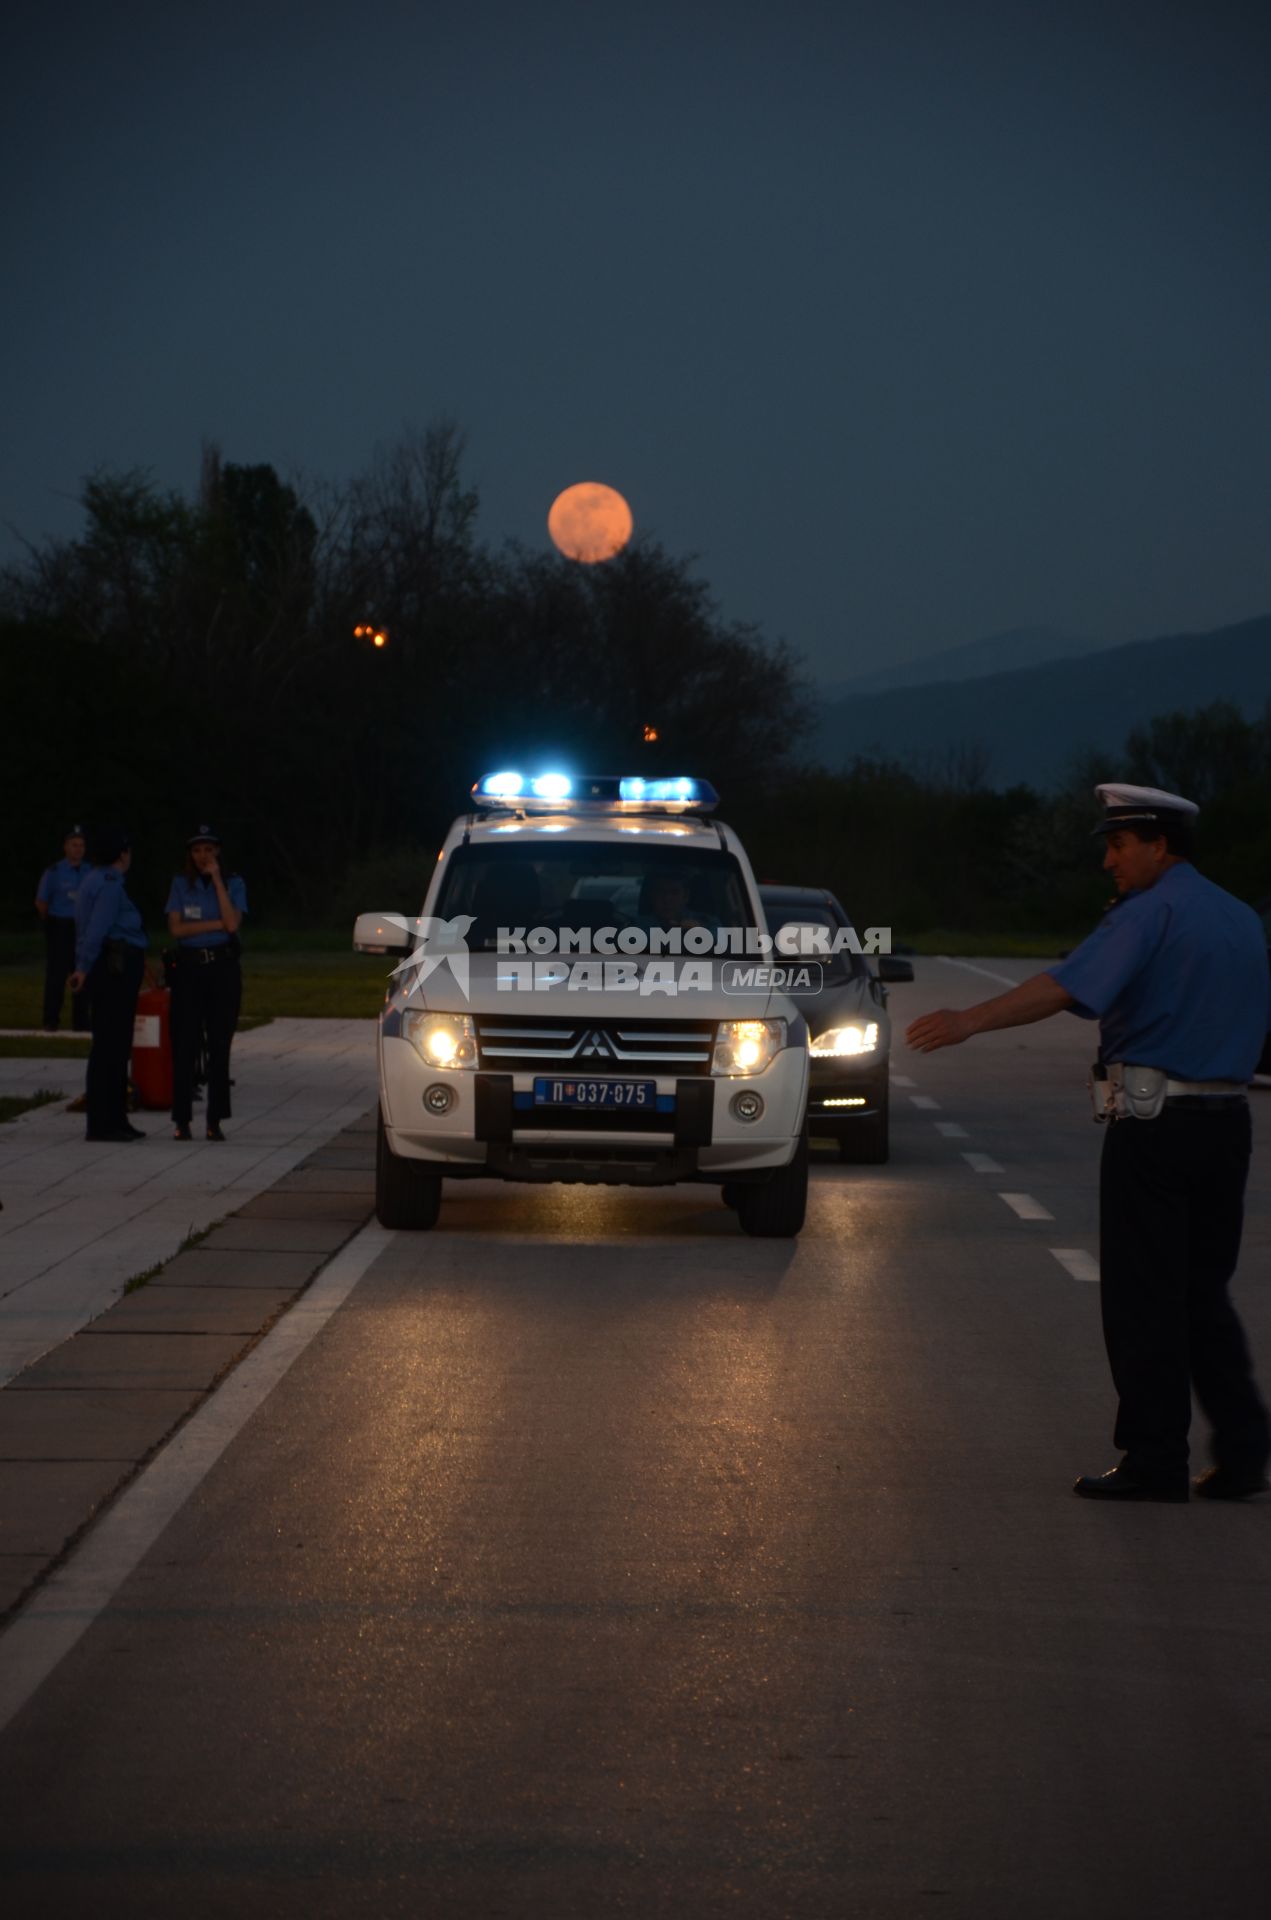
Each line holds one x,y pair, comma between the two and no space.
383,933
894,970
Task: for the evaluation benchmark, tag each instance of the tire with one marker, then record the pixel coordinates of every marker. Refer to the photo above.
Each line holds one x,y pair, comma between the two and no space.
775,1208
730,1193
867,1143
407,1194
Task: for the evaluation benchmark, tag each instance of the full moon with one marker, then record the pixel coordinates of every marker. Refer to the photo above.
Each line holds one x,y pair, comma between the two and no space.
590,522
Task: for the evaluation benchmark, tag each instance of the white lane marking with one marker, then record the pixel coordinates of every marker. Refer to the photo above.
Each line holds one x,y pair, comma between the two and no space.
901,1080
1026,1207
951,1130
983,1163
62,1610
924,1101
1002,979
1080,1264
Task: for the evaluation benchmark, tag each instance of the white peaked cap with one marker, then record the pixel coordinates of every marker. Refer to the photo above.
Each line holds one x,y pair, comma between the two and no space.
1139,806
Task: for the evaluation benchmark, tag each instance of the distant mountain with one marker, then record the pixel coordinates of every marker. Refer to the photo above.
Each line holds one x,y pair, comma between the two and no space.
1031,721
996,653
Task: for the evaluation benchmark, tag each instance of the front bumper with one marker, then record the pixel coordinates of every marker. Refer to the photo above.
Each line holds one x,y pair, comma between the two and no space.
492,1129
844,1090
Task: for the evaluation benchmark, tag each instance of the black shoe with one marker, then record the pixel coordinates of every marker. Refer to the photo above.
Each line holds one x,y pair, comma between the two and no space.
214,1131
182,1133
1220,1483
115,1134
1122,1483
138,1133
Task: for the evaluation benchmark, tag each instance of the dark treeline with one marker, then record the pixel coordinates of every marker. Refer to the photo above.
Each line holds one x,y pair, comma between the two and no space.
186,660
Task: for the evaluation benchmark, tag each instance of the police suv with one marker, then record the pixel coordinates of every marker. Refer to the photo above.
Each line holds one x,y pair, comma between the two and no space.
590,994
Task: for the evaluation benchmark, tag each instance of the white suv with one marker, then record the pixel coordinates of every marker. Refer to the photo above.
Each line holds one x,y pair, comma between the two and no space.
588,995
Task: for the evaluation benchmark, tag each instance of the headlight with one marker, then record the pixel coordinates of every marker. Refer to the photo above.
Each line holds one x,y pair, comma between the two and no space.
746,1046
442,1039
838,1042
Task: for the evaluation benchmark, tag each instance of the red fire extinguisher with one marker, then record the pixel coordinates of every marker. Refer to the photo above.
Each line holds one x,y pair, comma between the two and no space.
152,1047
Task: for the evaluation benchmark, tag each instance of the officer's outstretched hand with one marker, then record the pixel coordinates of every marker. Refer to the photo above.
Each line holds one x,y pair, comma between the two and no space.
945,1028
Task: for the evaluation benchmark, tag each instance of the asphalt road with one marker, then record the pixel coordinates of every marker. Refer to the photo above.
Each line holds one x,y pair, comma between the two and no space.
594,1559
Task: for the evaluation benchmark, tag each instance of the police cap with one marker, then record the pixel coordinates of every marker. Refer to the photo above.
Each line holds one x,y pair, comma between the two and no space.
204,832
1142,808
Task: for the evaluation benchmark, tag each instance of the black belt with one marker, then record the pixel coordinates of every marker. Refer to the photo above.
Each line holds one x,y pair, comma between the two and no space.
1206,1102
206,956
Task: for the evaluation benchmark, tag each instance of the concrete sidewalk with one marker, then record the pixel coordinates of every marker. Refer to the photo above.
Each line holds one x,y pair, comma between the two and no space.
76,1425
80,1219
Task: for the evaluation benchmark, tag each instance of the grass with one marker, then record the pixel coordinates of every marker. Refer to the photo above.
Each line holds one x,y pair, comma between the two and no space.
11,1105
37,1046
315,975
304,976
192,1239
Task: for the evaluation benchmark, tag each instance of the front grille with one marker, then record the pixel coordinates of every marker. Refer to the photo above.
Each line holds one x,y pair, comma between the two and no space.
525,1043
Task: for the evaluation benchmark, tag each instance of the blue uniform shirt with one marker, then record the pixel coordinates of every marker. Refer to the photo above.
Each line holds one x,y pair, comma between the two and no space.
104,912
196,900
59,888
1176,975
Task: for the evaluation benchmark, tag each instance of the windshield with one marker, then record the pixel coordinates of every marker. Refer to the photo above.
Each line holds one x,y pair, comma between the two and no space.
840,966
585,886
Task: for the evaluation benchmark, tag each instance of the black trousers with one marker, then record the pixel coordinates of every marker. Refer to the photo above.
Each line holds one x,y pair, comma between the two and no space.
206,996
59,964
113,986
1171,1204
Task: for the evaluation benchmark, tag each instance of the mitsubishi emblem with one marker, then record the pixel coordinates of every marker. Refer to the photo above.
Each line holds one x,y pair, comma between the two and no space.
596,1046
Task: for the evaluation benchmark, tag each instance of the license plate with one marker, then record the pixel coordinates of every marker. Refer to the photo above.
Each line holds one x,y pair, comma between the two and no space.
641,1094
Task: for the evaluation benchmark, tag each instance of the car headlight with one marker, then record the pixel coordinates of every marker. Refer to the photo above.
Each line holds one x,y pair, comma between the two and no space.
837,1043
442,1039
746,1046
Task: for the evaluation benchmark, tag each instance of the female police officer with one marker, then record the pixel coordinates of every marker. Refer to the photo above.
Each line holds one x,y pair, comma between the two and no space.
205,911
110,947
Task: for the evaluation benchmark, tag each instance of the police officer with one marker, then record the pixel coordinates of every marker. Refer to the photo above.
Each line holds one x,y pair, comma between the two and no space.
1176,975
55,899
110,946
205,910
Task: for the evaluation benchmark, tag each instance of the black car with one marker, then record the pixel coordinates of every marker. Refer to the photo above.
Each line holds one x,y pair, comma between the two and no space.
850,1028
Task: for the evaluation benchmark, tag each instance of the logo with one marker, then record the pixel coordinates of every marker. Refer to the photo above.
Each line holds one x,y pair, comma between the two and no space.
439,943
596,1047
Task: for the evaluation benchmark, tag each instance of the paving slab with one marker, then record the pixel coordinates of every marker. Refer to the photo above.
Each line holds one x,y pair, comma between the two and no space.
314,1180
57,1425
306,1206
44,1502
18,1571
206,1267
287,1236
126,1361
195,1310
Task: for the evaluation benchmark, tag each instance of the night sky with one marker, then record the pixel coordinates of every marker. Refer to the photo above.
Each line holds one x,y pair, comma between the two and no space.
914,321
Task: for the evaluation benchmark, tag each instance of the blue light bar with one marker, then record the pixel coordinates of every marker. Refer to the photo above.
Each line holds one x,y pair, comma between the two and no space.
573,793
551,786
680,791
499,786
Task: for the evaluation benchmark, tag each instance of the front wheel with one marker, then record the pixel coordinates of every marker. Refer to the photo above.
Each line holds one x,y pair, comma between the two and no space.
775,1208
407,1193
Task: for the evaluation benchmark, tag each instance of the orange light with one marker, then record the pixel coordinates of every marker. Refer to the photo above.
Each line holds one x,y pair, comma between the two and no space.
650,733
381,639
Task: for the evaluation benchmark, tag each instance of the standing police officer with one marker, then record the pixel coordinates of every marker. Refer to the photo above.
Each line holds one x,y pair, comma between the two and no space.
1176,975
110,945
55,899
205,911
